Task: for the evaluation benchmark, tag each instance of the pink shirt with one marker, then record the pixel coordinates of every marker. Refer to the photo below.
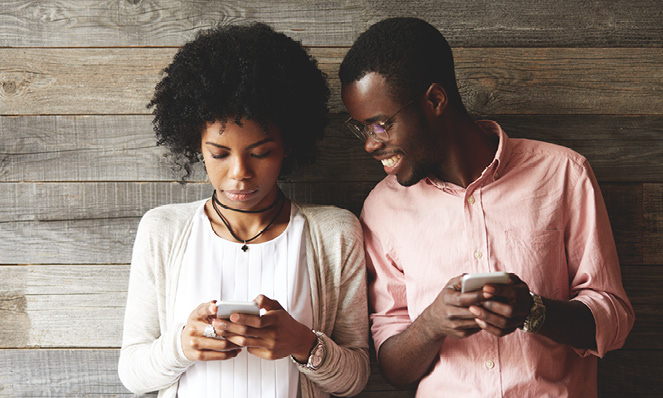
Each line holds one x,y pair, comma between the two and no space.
536,211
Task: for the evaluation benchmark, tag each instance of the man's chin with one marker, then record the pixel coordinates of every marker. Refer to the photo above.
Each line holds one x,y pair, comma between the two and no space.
412,178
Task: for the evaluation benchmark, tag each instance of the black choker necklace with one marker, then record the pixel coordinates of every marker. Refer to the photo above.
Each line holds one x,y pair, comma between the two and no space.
270,207
245,247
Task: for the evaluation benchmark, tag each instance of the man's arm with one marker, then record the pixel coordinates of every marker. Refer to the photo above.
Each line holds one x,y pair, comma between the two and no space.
507,306
406,357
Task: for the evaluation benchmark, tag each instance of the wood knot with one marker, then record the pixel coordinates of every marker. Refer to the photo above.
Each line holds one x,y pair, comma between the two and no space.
9,87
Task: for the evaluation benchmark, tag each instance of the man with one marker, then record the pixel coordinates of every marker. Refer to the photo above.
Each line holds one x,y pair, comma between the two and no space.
462,197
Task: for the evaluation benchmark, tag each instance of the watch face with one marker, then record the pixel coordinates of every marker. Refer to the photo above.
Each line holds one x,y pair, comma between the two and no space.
317,357
537,318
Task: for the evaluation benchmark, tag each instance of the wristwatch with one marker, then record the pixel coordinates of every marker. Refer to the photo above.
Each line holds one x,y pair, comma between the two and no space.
317,355
537,315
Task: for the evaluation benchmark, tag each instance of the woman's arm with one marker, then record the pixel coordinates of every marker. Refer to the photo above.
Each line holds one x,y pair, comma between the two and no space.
149,359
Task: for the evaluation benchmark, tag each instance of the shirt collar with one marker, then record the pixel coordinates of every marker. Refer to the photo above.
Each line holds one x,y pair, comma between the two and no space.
495,169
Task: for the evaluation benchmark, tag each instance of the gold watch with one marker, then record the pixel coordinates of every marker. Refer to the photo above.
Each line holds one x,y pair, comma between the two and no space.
536,317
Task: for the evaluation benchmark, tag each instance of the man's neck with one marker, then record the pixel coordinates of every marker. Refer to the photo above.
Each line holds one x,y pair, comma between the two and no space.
470,150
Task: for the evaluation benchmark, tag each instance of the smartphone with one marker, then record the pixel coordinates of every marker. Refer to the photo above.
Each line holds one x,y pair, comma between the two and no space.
225,308
476,281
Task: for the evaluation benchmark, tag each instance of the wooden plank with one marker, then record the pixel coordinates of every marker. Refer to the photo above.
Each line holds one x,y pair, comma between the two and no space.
61,373
653,218
608,23
68,373
56,305
96,222
630,374
492,80
122,148
62,305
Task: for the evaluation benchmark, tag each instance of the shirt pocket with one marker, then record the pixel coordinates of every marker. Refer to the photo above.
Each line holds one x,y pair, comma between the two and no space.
537,257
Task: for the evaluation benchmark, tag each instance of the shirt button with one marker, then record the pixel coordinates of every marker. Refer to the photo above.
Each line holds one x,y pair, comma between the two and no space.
490,364
470,200
477,254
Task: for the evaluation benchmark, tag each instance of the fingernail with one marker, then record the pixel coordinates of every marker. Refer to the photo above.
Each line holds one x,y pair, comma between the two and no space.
474,310
480,323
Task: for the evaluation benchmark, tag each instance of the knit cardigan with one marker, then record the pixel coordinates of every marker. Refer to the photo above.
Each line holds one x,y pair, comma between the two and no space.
151,357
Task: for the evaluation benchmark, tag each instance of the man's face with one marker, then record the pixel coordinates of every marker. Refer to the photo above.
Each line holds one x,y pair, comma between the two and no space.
409,153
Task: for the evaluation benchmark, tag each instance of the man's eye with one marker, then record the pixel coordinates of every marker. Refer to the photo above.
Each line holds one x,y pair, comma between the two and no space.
379,127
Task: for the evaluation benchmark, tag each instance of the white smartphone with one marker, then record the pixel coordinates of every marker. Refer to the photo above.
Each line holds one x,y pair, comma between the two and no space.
476,281
226,308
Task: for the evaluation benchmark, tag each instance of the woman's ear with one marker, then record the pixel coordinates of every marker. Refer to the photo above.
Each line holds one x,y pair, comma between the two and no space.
436,98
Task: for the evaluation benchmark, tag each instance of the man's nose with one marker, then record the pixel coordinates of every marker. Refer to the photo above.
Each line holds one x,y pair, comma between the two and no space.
371,144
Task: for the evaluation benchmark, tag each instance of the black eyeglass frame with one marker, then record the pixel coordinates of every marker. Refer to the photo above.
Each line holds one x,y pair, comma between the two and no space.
362,131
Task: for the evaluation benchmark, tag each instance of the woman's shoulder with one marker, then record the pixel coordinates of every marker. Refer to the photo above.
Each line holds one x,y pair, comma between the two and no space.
171,215
328,218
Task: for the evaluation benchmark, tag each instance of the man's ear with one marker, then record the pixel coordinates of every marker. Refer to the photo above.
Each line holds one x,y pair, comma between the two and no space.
436,98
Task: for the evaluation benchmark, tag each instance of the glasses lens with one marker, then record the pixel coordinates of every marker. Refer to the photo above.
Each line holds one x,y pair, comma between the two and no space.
356,128
377,132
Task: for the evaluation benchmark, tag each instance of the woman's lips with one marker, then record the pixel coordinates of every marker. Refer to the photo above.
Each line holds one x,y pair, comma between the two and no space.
239,195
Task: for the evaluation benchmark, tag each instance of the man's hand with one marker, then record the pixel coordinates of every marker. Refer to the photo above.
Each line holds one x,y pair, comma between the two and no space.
505,307
450,315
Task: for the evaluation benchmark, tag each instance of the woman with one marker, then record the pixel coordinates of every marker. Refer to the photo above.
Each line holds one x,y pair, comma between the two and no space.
250,103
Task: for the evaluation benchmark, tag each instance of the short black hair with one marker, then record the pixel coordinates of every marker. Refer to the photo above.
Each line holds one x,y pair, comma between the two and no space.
243,71
410,53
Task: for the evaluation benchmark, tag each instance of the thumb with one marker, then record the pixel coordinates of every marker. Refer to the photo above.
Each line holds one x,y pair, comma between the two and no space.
267,304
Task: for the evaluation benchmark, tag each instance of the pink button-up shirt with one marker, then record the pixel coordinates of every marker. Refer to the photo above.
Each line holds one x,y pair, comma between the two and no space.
535,211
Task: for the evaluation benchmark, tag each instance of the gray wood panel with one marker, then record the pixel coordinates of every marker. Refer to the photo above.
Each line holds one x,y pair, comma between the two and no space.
122,148
82,306
62,305
492,80
78,223
483,23
70,373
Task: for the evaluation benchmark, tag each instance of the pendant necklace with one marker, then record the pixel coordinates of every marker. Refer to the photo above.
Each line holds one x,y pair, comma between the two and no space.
245,247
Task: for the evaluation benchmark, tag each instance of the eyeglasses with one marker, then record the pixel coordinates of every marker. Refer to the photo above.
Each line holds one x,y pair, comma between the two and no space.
379,131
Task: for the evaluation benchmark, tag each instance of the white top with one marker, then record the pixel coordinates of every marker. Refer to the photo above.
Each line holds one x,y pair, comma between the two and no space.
217,269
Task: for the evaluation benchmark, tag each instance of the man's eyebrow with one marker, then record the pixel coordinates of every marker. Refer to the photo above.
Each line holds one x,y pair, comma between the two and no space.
375,119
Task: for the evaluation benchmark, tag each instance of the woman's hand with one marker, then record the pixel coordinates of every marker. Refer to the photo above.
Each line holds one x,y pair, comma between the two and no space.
273,335
196,346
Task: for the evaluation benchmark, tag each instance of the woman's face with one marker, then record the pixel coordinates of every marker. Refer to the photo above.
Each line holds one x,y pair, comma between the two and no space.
243,162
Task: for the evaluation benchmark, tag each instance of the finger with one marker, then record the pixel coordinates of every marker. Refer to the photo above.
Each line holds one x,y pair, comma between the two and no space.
227,328
267,303
208,355
248,341
457,299
497,320
254,321
204,311
454,283
494,330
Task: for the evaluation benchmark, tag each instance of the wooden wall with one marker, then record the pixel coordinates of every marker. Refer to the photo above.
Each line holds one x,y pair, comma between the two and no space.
78,163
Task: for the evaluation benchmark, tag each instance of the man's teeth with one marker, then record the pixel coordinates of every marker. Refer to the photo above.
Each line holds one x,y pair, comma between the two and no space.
391,162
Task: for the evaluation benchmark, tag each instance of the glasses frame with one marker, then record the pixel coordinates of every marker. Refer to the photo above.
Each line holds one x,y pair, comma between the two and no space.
363,132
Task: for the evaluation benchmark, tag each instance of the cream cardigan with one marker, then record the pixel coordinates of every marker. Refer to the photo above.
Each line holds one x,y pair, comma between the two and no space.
150,359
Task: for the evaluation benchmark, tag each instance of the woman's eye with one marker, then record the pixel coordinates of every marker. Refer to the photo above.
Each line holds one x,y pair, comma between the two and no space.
261,155
219,156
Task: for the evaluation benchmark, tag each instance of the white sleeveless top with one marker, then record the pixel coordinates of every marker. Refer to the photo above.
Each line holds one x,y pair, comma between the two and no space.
217,269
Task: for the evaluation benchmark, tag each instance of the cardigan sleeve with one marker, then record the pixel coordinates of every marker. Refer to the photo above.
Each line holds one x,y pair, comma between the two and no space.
338,243
149,359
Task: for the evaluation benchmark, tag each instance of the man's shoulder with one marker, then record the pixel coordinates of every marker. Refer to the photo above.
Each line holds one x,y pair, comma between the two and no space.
546,151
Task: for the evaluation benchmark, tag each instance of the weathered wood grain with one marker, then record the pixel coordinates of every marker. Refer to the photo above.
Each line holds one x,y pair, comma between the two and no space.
61,373
653,218
83,223
483,23
69,373
630,373
62,305
122,148
54,305
492,80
